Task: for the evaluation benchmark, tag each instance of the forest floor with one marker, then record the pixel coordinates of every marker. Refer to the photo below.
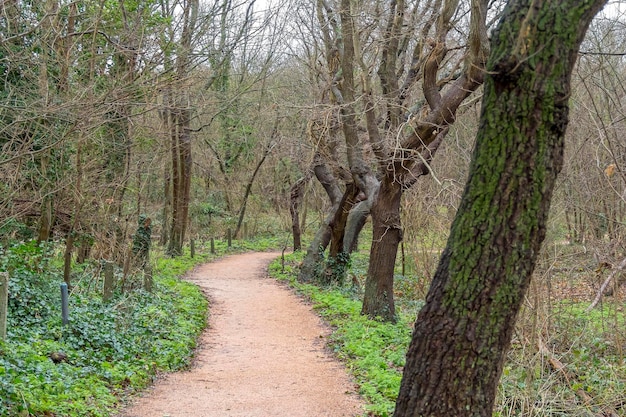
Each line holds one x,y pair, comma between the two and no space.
263,354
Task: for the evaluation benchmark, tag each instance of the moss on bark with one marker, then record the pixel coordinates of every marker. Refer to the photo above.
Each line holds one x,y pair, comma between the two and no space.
462,333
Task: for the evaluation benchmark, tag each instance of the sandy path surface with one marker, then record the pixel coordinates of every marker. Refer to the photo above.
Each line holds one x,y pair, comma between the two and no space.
261,355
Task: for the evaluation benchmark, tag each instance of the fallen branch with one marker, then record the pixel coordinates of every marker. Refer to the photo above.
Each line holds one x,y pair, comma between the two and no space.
572,378
605,284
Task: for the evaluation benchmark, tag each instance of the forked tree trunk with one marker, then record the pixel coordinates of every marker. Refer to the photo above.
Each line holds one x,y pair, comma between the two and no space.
427,133
461,335
314,254
338,259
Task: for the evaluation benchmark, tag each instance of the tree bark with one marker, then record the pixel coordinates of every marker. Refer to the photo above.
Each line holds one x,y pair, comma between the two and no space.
296,194
313,257
337,257
378,301
354,224
461,335
180,120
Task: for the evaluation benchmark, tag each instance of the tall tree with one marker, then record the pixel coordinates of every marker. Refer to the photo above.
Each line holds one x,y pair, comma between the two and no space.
179,125
402,165
461,335
398,83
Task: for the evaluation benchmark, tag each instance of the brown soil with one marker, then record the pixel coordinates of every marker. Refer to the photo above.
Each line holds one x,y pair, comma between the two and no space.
263,354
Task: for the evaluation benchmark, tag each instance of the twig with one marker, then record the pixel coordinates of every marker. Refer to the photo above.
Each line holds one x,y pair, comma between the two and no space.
605,284
570,377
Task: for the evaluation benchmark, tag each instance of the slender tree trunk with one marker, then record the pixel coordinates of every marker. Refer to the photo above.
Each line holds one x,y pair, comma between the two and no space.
174,247
378,300
48,24
186,167
46,220
167,205
242,210
180,128
461,335
295,199
181,179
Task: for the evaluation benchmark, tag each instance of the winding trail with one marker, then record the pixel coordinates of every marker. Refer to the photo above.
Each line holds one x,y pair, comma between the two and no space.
262,354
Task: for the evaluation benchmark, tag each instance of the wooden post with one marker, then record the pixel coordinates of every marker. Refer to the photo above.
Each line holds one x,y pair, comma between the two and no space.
147,278
109,281
192,248
212,246
229,238
4,303
65,312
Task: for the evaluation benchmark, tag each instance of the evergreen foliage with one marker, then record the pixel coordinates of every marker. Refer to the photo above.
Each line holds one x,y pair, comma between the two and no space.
108,350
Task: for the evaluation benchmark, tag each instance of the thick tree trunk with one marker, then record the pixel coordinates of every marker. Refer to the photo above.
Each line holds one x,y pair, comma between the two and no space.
355,223
312,262
461,335
378,301
337,258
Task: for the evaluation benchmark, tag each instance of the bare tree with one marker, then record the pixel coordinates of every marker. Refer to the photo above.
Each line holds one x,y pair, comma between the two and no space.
394,66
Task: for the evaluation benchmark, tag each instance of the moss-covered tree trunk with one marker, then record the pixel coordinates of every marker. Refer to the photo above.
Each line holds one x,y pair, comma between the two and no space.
461,335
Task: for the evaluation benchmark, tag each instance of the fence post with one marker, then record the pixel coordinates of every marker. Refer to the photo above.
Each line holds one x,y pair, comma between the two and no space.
229,237
4,303
147,278
109,281
65,314
212,246
192,248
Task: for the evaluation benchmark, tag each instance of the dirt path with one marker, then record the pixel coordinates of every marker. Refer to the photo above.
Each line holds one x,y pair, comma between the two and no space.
262,354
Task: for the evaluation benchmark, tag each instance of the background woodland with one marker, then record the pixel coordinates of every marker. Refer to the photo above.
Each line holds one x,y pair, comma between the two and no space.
256,119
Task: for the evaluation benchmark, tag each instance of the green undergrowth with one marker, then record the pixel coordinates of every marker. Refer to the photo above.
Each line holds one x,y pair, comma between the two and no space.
373,351
107,350
588,346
